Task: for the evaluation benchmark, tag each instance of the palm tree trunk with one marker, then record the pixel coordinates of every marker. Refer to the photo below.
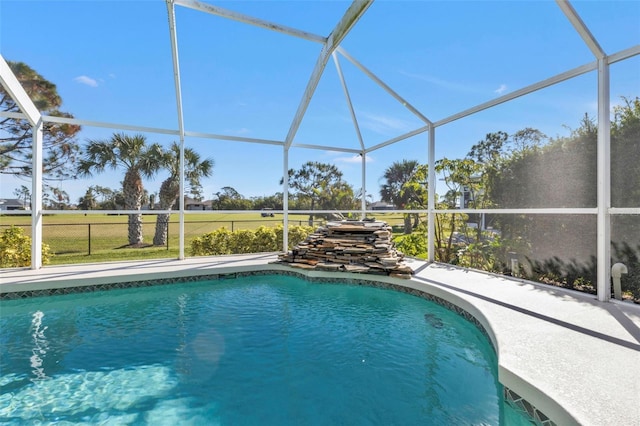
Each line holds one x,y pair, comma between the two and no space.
135,229
132,192
169,193
162,229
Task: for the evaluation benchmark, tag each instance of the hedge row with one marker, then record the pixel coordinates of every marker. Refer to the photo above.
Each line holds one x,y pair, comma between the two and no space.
264,239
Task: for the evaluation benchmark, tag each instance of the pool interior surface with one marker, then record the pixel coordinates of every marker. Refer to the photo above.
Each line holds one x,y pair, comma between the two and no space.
252,350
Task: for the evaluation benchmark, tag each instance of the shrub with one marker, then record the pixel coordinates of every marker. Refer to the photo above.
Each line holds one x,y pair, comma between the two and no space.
212,243
15,249
242,241
297,234
414,244
263,239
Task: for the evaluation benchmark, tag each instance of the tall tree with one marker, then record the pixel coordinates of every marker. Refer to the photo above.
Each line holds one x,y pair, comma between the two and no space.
490,149
395,190
458,176
106,197
194,169
56,198
16,137
320,185
138,159
88,200
23,193
528,139
267,201
228,198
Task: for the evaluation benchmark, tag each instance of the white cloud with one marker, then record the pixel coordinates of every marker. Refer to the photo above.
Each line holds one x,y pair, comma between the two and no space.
241,131
384,125
445,84
353,159
500,90
83,79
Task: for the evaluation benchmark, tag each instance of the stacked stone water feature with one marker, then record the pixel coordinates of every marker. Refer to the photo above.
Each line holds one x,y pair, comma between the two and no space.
350,246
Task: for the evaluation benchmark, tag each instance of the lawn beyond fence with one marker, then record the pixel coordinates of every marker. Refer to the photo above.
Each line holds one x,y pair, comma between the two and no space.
102,238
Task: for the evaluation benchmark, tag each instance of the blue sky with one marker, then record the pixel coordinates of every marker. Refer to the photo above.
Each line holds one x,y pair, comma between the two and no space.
111,62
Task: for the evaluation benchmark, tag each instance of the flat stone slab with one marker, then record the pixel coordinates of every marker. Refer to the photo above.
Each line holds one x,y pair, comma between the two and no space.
366,247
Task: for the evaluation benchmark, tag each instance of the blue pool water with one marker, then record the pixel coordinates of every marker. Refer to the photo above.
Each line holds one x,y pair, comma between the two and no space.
259,350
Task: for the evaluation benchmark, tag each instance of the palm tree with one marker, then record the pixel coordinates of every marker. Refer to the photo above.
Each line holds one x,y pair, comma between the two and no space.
194,169
132,154
392,190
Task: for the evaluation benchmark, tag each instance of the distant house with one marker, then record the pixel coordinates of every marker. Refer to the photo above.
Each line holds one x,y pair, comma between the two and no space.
191,204
382,205
8,204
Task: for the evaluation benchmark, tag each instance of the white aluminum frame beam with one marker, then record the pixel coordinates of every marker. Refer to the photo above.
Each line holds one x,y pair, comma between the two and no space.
36,195
623,54
26,105
399,138
363,199
187,133
581,28
345,89
534,210
583,69
624,210
285,199
382,84
349,19
106,125
233,138
176,77
604,152
431,194
604,184
327,148
18,94
218,11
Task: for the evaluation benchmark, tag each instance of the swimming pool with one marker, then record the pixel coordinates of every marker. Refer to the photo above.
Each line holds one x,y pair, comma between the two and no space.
252,350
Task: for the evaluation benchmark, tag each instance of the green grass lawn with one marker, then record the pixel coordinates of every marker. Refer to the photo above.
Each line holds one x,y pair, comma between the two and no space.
79,238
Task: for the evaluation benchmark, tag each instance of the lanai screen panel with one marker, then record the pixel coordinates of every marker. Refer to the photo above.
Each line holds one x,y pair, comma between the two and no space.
238,79
444,59
103,71
614,24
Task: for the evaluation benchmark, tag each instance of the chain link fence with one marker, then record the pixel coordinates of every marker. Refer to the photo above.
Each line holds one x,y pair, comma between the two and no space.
90,239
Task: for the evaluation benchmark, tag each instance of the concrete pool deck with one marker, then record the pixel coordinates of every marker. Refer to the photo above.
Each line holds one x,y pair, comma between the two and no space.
575,359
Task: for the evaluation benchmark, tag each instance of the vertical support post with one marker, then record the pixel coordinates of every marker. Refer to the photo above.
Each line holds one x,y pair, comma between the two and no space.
181,224
89,237
36,196
604,183
176,77
363,201
285,200
431,186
